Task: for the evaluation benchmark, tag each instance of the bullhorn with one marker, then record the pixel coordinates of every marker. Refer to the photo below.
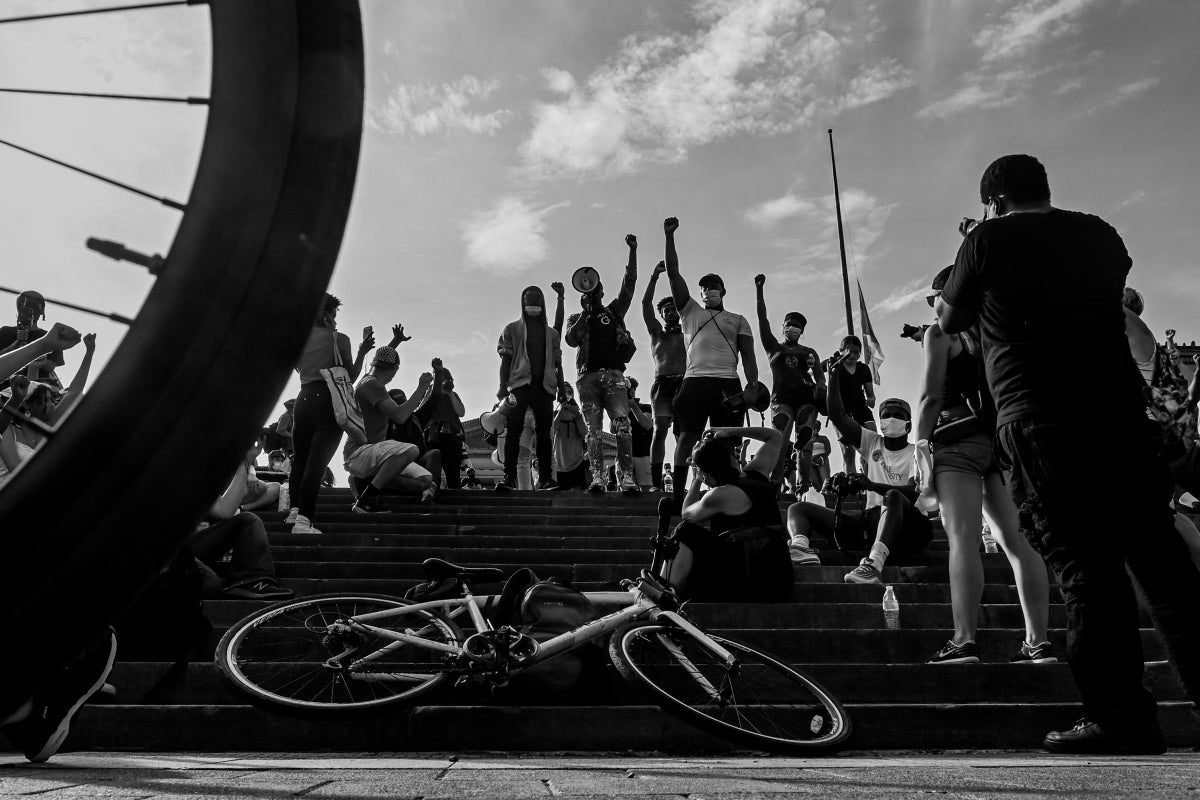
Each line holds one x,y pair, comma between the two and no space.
494,421
585,279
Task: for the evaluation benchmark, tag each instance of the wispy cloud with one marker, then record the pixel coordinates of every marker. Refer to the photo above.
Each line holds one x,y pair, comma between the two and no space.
508,237
902,297
1124,93
1027,25
756,67
993,95
473,343
769,212
427,110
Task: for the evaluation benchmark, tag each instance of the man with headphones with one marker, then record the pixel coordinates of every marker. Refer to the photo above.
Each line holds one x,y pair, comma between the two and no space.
714,340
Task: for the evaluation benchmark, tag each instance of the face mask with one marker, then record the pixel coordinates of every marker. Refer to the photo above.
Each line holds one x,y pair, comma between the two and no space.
791,333
712,298
893,427
533,311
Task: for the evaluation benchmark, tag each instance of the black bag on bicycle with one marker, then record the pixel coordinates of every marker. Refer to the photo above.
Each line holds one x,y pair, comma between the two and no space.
743,565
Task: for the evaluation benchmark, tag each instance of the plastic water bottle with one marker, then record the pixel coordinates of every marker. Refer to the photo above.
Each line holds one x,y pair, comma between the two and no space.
668,481
989,542
891,609
285,497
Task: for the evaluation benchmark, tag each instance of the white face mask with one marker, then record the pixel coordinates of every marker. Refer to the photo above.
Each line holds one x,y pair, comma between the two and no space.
792,334
712,298
893,427
533,311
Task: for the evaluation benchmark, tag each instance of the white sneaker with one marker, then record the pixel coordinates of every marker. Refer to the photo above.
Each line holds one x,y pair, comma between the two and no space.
597,487
303,525
803,555
629,485
291,517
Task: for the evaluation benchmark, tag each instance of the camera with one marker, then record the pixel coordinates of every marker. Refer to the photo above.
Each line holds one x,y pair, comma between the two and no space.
844,485
914,332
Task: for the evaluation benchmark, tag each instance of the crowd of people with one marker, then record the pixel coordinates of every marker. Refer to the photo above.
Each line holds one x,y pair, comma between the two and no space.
993,440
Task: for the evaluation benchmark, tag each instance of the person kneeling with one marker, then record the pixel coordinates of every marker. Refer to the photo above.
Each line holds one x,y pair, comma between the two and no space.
892,523
742,553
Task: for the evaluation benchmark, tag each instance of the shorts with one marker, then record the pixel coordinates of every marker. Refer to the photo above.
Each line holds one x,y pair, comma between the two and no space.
662,395
857,531
699,403
641,471
972,455
791,410
365,460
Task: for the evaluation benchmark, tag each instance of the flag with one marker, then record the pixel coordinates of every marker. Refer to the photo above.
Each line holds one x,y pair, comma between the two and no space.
872,352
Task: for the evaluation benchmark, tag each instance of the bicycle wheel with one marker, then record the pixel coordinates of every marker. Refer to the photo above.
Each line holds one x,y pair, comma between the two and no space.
281,656
104,504
759,702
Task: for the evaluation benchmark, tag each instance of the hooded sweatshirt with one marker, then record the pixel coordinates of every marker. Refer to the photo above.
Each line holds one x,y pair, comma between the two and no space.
514,343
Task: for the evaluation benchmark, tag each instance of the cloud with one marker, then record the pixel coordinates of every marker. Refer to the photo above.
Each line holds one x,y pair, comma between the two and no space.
474,343
769,212
995,95
427,110
1124,93
1027,25
916,289
507,238
751,67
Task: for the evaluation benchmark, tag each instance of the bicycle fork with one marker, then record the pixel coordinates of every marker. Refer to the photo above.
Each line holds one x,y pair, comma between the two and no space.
730,660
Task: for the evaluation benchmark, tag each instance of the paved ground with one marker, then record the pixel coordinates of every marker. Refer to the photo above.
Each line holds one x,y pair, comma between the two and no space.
502,776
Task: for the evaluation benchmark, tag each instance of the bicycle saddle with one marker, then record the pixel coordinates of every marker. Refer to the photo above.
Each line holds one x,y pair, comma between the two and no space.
436,570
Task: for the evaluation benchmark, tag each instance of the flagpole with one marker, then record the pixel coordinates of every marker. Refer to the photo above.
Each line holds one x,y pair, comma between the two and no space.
837,202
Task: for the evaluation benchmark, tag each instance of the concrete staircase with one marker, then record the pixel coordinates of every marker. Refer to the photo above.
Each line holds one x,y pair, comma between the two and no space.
831,629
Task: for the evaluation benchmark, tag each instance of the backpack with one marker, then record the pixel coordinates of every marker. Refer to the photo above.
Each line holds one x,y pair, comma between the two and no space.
544,609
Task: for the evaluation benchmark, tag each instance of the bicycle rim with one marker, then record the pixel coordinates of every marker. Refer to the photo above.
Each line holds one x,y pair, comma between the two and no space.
103,505
763,702
279,656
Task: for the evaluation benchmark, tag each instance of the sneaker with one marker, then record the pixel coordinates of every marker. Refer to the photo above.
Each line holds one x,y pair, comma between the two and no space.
629,486
1035,654
260,590
371,505
506,485
304,525
45,729
803,555
654,490
1092,738
546,484
951,653
598,487
865,572
290,519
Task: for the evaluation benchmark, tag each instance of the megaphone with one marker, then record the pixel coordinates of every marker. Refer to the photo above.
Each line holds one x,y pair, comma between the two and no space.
585,279
496,420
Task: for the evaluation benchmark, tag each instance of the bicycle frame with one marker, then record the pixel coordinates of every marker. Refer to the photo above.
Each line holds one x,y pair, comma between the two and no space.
642,605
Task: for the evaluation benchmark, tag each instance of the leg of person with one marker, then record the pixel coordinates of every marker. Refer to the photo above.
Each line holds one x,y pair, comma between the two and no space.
658,449
1190,535
324,444
642,473
432,462
806,429
450,447
591,404
269,499
1083,543
525,469
380,463
252,569
616,402
310,407
514,425
1029,571
543,417
900,529
783,418
960,494
803,519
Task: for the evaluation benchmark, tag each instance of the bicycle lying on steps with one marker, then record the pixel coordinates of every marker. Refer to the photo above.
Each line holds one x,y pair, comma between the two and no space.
339,653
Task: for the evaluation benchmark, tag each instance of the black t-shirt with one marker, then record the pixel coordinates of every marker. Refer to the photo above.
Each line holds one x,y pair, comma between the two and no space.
1048,287
642,438
853,390
764,508
791,381
409,433
602,341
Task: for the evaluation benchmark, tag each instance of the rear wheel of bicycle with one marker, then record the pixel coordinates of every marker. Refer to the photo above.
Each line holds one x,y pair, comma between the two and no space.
281,656
760,701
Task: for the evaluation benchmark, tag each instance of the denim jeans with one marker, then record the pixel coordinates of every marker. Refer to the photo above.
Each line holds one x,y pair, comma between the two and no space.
315,436
542,405
245,535
604,390
1095,534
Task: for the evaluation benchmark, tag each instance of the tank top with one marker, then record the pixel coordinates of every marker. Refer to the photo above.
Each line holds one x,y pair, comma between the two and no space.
962,379
764,505
317,354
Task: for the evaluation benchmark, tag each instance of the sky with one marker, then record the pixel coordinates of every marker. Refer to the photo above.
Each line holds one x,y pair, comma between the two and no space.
509,143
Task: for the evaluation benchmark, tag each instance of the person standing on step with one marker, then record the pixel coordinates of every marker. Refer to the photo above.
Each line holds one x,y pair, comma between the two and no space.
642,424
441,415
714,342
955,422
531,370
794,385
604,347
1028,275
891,523
670,362
570,444
315,431
858,394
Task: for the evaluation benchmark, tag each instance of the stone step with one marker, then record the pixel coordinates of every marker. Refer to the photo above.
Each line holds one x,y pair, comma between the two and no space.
201,683
214,728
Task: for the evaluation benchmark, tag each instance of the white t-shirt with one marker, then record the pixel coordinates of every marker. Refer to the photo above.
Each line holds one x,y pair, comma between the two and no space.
24,451
891,467
711,340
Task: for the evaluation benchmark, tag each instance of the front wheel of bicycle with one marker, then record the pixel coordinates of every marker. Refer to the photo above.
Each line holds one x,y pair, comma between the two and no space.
293,656
759,701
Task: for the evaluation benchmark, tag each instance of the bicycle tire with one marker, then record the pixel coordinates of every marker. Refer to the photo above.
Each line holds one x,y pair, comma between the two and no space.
276,657
786,711
93,517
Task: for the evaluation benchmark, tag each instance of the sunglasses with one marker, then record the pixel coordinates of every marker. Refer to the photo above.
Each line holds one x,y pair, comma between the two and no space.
931,299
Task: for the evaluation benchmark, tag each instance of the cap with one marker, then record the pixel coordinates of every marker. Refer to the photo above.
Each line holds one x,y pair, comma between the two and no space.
939,282
796,316
711,280
386,356
897,402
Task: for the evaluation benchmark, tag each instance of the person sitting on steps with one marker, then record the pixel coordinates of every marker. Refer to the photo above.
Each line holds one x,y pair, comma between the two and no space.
891,523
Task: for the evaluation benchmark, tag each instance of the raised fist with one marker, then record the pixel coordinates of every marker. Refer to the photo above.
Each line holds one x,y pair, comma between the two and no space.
631,240
62,337
425,380
558,288
670,225
89,342
760,280
659,268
